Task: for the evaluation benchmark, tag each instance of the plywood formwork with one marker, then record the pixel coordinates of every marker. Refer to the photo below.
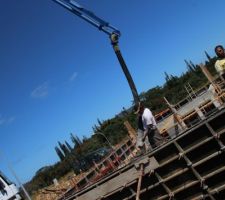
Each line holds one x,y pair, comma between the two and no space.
190,166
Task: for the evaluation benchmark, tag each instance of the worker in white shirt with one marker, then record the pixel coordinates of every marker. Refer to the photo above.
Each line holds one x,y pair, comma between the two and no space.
142,142
150,130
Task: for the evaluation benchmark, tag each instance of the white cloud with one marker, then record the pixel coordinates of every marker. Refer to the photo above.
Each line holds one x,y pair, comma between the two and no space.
40,91
6,120
73,76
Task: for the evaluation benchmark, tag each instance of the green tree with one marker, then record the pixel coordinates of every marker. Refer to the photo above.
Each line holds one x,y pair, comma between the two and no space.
59,153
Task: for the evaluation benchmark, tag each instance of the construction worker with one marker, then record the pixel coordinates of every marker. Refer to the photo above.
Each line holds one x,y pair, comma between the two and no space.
147,124
142,142
220,63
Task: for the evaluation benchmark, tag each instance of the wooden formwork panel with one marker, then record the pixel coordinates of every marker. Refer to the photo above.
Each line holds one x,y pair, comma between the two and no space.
188,167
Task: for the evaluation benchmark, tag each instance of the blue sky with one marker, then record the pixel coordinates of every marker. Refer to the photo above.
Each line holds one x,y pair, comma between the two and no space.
58,74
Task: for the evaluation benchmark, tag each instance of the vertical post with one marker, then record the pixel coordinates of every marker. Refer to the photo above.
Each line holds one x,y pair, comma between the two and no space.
199,112
139,181
131,131
210,78
180,122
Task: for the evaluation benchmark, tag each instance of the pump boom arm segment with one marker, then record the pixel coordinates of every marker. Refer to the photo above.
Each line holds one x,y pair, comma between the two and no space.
104,26
88,16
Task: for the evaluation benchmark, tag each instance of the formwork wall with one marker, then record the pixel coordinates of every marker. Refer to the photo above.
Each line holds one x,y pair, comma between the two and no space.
192,166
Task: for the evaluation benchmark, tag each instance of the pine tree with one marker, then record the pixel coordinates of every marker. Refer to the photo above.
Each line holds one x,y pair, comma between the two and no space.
84,138
99,122
95,128
73,139
59,153
76,141
189,66
167,77
68,146
192,64
64,149
208,56
60,145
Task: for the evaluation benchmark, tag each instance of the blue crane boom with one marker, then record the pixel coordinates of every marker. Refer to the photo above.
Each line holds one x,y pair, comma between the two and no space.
88,16
110,30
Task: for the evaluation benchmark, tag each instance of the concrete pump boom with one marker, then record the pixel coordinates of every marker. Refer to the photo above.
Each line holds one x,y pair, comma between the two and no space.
111,31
